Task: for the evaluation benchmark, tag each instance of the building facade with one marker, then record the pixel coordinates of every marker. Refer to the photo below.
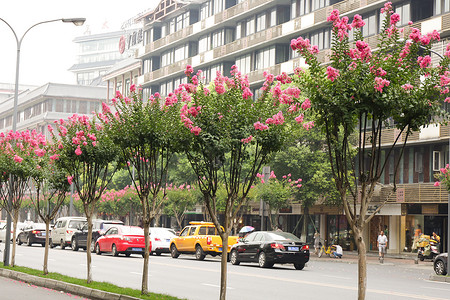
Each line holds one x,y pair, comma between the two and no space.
254,35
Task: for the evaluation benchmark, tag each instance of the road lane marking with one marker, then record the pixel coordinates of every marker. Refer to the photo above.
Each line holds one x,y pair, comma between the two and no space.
136,273
85,265
435,288
340,277
330,285
216,286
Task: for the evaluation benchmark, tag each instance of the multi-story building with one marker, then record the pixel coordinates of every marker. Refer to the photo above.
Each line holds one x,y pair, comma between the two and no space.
40,107
255,35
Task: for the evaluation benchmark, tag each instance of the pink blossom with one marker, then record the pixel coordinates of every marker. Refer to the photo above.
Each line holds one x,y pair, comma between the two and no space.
196,130
247,93
332,73
39,152
247,140
18,159
415,35
380,83
70,179
189,70
308,125
299,119
306,104
132,88
260,126
437,183
358,21
54,157
387,8
334,16
407,87
395,18
78,151
424,62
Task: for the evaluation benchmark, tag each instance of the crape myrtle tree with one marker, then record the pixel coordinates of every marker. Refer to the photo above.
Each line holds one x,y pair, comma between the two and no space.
148,133
228,130
277,194
180,199
85,152
17,151
357,93
50,185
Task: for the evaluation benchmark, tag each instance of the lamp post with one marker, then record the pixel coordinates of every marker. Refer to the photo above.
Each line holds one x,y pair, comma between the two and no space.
75,21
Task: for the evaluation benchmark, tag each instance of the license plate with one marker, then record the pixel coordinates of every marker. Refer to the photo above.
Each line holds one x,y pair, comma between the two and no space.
137,249
43,233
293,248
220,249
167,240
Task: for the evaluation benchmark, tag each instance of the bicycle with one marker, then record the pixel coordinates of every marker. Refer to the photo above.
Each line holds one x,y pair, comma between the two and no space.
329,250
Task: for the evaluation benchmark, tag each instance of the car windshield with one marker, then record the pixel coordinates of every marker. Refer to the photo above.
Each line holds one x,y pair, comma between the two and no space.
76,224
165,232
132,230
282,236
39,226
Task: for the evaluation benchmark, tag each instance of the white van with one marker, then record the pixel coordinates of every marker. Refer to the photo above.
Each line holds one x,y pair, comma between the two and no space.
64,229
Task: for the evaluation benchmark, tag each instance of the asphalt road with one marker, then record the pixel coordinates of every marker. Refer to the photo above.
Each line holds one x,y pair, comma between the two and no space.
187,278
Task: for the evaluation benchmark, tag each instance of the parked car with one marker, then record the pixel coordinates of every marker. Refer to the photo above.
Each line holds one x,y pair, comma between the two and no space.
160,238
79,238
33,233
270,247
20,225
122,239
64,229
440,264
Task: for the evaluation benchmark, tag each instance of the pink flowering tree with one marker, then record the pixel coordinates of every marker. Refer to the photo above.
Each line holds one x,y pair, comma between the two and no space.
230,130
359,94
148,133
86,153
119,204
277,193
17,150
51,185
180,200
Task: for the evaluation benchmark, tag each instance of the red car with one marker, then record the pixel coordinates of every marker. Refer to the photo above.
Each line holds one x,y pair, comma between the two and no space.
122,239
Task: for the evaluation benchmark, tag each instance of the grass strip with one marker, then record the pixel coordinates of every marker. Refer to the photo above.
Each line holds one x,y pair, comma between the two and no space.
103,286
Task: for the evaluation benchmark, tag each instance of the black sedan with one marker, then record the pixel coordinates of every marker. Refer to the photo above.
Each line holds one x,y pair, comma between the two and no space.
79,238
32,234
440,264
270,247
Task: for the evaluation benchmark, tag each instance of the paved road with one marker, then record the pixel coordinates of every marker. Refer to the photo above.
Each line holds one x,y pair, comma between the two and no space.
187,278
13,289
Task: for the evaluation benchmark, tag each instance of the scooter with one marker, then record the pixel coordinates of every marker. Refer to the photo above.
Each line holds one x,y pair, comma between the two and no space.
430,251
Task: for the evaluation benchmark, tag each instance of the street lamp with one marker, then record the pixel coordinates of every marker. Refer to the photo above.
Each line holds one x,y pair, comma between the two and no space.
76,22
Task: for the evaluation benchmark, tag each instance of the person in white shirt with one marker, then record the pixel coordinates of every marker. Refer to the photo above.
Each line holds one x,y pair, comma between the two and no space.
338,252
382,244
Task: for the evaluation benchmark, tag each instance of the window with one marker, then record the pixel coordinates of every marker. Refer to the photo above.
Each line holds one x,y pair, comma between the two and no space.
185,232
261,22
250,27
206,10
204,43
193,229
273,17
404,10
265,58
441,6
217,39
371,25
218,5
418,162
436,160
244,63
391,169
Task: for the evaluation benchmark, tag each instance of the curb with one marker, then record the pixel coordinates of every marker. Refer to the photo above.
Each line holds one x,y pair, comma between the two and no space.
439,278
63,286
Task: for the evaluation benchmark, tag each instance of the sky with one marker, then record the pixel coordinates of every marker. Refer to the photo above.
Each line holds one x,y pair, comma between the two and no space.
47,50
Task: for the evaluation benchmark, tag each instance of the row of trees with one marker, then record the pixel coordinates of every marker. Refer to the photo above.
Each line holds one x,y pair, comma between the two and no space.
226,135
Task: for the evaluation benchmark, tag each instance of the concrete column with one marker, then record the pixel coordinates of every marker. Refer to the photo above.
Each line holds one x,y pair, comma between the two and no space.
394,234
402,233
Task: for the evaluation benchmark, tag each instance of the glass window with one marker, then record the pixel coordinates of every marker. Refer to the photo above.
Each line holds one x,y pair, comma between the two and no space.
193,229
217,39
251,237
206,10
265,58
371,25
250,27
441,6
219,5
244,63
239,30
261,22
273,17
404,10
185,232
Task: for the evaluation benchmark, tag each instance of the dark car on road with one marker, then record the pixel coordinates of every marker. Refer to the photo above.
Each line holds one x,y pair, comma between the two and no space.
440,264
99,227
32,234
270,247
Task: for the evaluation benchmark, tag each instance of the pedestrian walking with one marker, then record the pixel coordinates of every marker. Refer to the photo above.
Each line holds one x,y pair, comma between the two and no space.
316,242
382,244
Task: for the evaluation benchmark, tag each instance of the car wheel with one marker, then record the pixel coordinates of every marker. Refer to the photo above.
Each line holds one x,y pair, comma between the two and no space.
439,267
127,254
299,266
19,242
234,258
28,241
174,251
92,246
43,244
199,254
114,250
262,260
74,245
62,245
51,244
143,255
97,249
158,253
421,257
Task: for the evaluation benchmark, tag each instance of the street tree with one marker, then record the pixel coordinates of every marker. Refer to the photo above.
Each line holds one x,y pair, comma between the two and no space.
86,153
17,151
50,185
230,130
359,94
180,200
148,133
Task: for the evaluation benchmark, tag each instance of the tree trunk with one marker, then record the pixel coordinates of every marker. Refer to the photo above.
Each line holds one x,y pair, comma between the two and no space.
362,263
88,249
144,290
47,241
223,266
13,237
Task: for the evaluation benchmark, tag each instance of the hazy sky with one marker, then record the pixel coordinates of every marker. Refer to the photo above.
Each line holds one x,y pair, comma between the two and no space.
48,50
